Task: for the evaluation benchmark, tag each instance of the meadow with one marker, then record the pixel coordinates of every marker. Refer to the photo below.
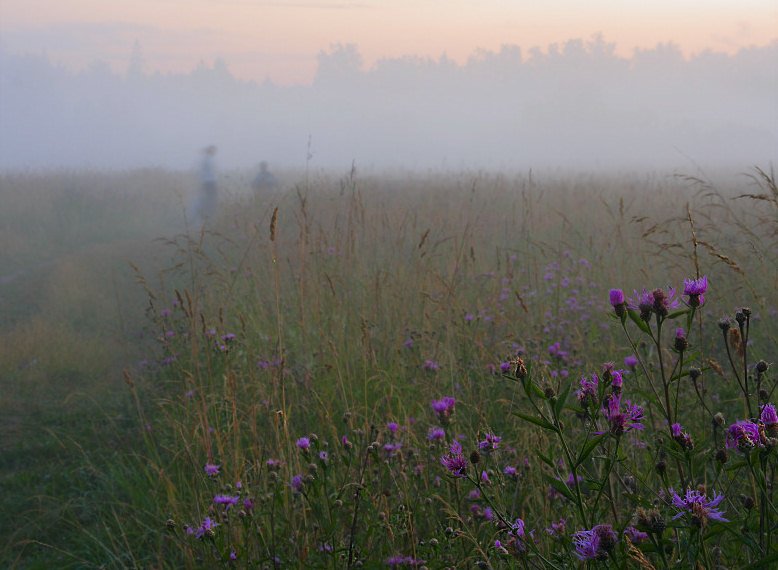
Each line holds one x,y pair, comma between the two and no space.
536,370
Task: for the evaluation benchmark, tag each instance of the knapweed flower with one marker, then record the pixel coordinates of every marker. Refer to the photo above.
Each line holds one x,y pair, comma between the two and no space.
304,443
621,422
297,484
635,536
392,449
557,529
595,544
681,437
211,470
680,343
393,427
618,301
444,407
510,471
274,464
455,462
226,500
206,529
617,381
744,435
324,457
697,505
631,362
400,561
769,418
346,443
436,434
430,365
587,393
490,443
695,289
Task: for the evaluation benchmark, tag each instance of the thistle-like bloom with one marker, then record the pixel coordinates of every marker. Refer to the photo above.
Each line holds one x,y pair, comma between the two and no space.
557,529
768,417
595,544
490,443
744,435
455,462
621,422
206,528
226,500
436,434
510,471
430,365
297,484
587,393
681,437
695,289
698,507
444,407
617,298
211,470
635,536
393,427
400,561
304,443
681,343
617,381
631,362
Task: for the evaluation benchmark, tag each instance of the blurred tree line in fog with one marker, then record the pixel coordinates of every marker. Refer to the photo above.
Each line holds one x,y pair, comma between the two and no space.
576,104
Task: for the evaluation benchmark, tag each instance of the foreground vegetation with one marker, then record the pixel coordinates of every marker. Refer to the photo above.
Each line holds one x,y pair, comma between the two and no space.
392,372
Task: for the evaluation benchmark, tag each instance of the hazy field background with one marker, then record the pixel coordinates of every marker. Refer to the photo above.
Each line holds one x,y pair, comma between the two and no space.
358,265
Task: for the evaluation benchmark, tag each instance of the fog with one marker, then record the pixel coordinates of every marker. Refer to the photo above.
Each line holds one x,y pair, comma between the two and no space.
575,104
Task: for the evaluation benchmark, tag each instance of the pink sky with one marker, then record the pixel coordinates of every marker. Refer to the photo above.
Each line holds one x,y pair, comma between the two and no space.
280,39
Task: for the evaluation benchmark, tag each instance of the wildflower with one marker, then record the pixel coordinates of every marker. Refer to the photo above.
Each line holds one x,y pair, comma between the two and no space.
557,529
695,289
399,561
587,393
505,367
297,484
595,544
228,338
436,434
226,500
408,343
444,407
206,528
248,504
211,470
620,422
681,343
768,416
635,536
697,505
273,464
430,366
346,443
643,302
510,471
631,362
392,449
233,555
490,443
304,443
485,477
393,427
616,381
663,301
455,461
744,435
681,437
324,457
617,301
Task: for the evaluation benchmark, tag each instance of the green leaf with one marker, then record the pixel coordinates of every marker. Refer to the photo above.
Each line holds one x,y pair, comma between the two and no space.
560,486
587,449
676,314
764,563
537,421
635,318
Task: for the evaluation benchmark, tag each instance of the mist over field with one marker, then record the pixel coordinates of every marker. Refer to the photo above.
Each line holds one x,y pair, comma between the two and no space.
572,105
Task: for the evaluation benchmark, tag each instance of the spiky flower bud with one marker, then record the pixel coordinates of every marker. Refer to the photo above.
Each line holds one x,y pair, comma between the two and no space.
761,367
475,457
694,373
724,324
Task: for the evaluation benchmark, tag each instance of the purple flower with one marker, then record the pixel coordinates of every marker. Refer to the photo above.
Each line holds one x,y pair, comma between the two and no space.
616,381
229,337
505,367
681,437
206,528
768,417
621,422
595,544
226,500
695,289
273,464
444,407
510,471
490,443
455,461
587,393
346,443
436,434
297,484
211,470
617,298
392,449
399,561
233,555
430,366
304,443
393,427
631,361
557,529
635,536
324,457
744,435
408,343
698,507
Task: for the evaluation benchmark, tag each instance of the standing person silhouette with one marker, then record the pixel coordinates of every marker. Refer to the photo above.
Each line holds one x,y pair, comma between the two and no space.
205,207
264,182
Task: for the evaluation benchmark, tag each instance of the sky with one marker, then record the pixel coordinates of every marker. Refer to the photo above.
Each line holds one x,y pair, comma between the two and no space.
279,40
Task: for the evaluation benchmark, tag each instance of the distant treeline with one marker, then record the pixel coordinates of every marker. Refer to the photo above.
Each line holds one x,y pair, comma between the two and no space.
577,104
